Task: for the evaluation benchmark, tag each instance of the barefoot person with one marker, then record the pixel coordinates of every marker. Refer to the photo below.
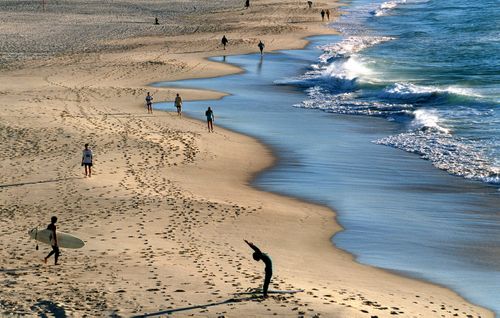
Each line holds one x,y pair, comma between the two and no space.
261,47
224,41
210,119
87,159
149,103
178,104
53,241
258,255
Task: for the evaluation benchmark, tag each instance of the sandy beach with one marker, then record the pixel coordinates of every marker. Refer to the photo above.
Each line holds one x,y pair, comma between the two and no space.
168,206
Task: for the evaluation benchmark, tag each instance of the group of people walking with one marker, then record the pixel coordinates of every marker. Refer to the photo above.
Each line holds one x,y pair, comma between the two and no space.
178,105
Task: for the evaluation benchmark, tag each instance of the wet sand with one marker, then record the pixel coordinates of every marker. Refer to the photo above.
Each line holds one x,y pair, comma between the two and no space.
168,206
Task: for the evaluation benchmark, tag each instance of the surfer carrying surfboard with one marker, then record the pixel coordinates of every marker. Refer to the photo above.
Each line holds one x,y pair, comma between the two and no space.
53,240
258,255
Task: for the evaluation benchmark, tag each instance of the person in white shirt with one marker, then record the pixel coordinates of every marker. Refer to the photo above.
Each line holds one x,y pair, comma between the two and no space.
87,160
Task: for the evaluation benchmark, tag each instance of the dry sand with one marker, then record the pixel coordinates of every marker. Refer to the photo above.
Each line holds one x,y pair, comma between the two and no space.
166,211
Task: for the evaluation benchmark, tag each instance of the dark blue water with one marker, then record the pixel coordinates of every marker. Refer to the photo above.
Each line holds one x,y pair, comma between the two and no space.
399,212
433,66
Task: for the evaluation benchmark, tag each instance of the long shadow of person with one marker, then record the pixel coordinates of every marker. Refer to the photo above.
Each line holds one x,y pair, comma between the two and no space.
253,297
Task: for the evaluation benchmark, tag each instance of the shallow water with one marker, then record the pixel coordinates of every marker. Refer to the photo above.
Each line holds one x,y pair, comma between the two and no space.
433,66
399,212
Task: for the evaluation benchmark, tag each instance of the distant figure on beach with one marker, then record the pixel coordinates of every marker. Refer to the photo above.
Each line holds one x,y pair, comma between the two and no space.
156,21
247,3
149,103
87,158
328,14
323,15
210,119
53,240
224,41
258,255
178,104
261,47
310,4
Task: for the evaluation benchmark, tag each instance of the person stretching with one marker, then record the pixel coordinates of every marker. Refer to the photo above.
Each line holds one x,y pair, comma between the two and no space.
53,240
257,256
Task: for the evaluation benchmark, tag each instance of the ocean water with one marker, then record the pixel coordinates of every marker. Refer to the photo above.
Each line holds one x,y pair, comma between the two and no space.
394,125
432,65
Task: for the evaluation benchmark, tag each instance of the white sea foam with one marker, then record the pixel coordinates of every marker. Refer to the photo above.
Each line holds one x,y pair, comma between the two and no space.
455,155
349,69
409,91
387,6
350,45
347,103
428,119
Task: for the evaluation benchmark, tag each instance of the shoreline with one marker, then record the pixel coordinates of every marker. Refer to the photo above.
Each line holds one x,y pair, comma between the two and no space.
276,154
153,264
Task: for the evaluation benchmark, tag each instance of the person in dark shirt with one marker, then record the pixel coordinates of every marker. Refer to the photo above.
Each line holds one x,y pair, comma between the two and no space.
87,159
210,119
258,256
261,47
149,103
53,240
224,41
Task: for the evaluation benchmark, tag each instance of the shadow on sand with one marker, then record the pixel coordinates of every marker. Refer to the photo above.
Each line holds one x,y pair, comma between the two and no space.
37,182
254,297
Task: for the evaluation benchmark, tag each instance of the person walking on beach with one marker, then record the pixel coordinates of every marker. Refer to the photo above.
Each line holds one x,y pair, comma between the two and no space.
247,4
257,256
261,47
310,4
87,159
322,15
53,241
210,119
149,103
178,104
327,14
224,41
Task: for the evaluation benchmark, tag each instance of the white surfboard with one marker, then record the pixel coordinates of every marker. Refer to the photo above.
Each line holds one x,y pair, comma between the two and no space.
63,239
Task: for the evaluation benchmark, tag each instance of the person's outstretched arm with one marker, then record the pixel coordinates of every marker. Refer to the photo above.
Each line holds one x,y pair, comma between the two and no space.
255,248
